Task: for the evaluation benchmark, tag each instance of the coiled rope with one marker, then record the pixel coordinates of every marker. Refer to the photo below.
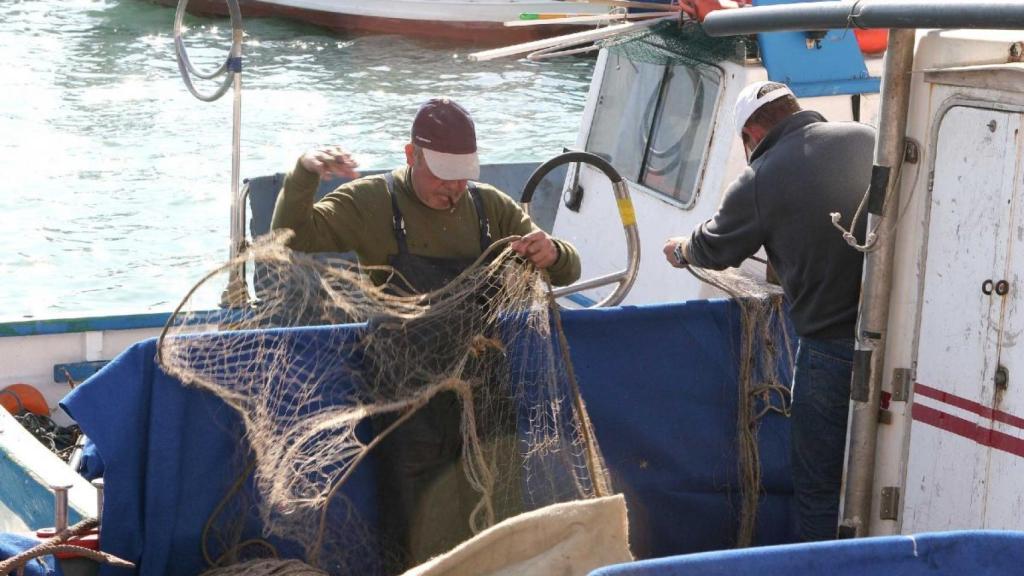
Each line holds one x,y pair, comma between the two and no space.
231,68
59,544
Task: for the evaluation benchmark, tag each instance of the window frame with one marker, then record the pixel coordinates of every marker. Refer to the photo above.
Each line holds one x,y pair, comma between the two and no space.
663,85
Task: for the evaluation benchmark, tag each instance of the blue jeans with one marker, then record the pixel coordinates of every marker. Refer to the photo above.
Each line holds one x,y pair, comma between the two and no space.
821,402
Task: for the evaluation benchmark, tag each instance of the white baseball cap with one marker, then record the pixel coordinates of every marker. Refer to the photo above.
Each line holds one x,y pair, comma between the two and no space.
754,96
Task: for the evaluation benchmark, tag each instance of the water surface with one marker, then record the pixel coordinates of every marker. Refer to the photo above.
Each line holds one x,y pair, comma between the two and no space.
119,179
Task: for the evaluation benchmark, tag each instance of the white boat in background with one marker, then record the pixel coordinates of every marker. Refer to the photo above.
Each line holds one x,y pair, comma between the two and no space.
472,21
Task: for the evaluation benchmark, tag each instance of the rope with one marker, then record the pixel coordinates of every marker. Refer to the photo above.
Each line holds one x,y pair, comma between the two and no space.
851,239
595,463
231,64
58,544
757,315
267,567
411,407
851,18
872,236
235,487
60,440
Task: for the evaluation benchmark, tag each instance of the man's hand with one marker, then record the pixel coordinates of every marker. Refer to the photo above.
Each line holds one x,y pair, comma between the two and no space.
537,247
699,9
328,162
674,247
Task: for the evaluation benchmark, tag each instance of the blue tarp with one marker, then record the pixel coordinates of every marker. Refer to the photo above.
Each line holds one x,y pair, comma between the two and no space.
659,383
170,453
974,553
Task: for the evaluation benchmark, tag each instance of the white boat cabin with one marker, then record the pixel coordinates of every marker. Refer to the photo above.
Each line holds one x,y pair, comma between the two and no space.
950,450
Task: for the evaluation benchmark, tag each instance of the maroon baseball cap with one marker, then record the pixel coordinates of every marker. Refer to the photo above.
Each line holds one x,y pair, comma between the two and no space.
447,135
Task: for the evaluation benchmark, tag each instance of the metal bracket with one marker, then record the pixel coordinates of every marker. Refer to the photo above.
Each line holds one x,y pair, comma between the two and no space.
901,382
889,504
861,375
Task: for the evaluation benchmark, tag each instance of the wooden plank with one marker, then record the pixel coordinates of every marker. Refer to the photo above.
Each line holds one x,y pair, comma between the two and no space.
78,371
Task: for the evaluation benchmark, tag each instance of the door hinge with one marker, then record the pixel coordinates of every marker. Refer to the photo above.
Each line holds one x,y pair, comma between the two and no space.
931,180
889,506
901,382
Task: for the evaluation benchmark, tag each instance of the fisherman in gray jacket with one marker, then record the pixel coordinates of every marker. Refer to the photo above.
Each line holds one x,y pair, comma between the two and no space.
801,169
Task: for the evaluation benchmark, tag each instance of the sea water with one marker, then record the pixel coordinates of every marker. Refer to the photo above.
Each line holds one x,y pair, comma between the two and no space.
118,180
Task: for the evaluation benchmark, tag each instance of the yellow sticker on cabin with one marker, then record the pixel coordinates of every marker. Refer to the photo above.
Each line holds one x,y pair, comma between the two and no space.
626,211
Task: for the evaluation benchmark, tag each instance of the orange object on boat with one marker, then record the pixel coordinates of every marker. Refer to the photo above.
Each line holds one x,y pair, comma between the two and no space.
872,40
17,397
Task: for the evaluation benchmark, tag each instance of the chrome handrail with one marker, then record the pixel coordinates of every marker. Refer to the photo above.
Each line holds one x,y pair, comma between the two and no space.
625,278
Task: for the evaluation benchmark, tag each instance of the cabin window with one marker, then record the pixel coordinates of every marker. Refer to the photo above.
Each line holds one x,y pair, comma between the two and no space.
653,123
681,132
625,113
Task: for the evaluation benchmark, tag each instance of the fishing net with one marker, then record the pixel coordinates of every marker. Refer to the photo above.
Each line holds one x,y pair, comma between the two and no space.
480,364
764,353
765,364
672,43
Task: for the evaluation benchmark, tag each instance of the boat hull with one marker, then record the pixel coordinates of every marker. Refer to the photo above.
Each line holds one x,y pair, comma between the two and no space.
446,24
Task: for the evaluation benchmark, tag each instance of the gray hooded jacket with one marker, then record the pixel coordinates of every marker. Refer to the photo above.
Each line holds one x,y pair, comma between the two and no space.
804,169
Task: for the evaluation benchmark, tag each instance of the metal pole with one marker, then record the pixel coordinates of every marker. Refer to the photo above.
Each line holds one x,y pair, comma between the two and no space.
60,506
236,293
982,14
873,318
98,484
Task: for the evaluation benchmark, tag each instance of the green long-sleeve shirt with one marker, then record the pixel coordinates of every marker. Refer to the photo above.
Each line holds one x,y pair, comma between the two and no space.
358,217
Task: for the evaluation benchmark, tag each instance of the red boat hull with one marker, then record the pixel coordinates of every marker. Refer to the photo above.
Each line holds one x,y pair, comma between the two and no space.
477,33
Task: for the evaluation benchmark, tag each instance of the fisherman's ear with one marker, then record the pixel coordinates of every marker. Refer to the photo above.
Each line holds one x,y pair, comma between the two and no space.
410,154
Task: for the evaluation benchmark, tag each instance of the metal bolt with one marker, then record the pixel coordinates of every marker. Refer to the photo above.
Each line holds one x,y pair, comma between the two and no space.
912,153
60,506
1002,378
992,125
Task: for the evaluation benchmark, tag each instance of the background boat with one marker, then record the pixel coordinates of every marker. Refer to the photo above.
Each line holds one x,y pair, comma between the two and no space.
471,21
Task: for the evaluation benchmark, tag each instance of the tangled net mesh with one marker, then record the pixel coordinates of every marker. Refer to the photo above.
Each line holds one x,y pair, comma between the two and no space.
765,360
315,403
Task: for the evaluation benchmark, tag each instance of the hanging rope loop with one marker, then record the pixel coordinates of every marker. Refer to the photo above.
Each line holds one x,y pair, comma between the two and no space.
232,64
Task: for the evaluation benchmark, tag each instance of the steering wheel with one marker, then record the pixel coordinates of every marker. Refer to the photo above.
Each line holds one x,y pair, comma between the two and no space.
624,278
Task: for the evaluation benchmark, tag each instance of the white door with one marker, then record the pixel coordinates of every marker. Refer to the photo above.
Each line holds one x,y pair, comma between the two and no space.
950,465
1004,505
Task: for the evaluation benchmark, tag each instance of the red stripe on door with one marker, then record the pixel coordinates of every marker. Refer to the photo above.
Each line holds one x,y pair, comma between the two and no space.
969,430
969,405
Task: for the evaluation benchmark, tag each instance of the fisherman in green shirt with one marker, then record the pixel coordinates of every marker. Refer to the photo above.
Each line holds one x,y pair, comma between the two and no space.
418,219
428,221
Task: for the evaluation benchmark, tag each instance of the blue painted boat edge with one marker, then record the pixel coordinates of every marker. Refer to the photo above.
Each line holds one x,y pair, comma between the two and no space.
66,325
24,495
27,469
581,300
